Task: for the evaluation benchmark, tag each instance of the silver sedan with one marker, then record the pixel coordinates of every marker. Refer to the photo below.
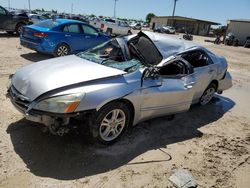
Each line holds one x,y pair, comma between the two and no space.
119,83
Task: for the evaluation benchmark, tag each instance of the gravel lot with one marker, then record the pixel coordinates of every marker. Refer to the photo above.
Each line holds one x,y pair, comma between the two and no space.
212,142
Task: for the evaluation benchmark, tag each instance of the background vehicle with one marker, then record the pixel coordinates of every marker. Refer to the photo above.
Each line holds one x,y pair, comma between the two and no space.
112,26
231,40
168,30
61,37
119,83
247,43
188,36
136,26
34,18
11,22
158,29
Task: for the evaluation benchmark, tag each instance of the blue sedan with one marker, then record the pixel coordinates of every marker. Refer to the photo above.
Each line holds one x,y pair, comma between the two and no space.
61,37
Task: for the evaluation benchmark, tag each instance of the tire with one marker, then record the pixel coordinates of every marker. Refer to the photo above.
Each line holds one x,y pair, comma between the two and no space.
208,94
62,50
110,123
10,32
19,28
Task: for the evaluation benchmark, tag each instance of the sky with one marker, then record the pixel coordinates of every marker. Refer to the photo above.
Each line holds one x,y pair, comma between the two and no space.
213,10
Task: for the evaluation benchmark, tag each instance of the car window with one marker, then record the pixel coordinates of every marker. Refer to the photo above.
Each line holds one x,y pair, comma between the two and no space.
197,58
89,30
47,24
176,68
2,11
72,28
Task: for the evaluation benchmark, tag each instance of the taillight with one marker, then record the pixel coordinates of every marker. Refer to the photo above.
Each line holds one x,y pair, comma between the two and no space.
102,26
40,35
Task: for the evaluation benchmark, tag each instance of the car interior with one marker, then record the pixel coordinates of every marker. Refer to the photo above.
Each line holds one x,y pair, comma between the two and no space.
175,69
197,58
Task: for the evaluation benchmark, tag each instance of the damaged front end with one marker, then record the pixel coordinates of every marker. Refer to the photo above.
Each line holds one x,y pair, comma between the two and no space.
56,121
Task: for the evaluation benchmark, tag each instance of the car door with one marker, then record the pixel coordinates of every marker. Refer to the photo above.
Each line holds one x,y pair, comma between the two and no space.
91,37
166,95
73,36
204,71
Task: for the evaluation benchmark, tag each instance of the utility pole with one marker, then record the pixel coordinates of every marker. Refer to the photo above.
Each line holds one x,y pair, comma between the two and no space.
29,4
174,12
9,4
72,6
115,9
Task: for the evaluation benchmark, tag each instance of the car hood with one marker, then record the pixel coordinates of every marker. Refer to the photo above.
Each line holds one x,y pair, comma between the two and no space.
38,78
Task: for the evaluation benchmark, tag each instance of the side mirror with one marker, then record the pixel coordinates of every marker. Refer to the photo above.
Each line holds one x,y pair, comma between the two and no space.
149,72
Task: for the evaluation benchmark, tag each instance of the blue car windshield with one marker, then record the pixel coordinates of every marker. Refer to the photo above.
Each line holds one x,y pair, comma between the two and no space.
110,54
48,24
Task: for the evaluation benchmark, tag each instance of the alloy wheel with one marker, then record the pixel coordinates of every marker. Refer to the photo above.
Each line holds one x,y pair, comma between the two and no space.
112,125
62,50
207,96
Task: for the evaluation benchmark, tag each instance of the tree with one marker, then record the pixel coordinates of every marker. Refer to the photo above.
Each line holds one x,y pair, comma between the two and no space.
149,16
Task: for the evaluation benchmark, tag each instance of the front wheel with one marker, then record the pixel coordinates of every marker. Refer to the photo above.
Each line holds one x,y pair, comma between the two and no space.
110,123
62,50
208,94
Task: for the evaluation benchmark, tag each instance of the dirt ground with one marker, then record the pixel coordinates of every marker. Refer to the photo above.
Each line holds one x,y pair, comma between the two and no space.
212,142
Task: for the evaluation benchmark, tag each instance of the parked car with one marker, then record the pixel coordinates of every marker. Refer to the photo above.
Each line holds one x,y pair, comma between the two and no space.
136,26
112,26
61,37
168,30
119,83
11,22
34,18
157,29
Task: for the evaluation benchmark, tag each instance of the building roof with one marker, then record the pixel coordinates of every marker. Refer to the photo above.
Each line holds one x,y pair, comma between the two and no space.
188,19
240,20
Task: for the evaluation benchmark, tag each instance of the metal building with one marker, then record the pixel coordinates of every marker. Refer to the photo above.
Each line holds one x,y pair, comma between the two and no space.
240,28
182,24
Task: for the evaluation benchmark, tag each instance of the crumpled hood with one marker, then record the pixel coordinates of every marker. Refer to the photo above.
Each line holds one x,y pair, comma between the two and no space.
38,78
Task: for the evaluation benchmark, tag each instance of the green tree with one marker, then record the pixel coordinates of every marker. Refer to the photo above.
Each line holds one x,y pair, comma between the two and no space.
149,16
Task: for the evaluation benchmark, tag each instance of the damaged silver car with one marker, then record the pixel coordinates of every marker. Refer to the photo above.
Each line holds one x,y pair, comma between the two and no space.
119,83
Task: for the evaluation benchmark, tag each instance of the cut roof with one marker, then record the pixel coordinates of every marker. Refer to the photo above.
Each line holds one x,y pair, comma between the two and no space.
188,19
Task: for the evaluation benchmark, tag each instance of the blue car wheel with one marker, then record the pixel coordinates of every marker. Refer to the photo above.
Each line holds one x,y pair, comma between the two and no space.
62,50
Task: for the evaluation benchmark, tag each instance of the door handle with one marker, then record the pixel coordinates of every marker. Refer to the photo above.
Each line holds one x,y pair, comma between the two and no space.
87,37
67,35
188,86
211,71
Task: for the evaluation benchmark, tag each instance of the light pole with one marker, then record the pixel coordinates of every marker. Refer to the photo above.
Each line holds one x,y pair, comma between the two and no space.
9,4
174,12
29,4
115,9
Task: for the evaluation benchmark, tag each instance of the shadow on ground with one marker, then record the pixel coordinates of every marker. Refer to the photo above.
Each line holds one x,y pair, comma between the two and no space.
35,57
72,157
6,35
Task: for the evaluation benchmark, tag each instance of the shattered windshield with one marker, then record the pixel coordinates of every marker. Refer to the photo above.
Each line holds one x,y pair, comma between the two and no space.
111,54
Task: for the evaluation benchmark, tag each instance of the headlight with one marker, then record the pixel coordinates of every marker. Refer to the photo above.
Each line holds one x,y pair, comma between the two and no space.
60,104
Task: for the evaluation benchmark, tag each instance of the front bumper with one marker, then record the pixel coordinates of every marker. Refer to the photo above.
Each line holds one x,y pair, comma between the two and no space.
22,104
225,83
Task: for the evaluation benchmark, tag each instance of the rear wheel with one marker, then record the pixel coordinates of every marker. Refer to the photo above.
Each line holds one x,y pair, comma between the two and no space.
62,50
10,32
19,28
110,123
208,94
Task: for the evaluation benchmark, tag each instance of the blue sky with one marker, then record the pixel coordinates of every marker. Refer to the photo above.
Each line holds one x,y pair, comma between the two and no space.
213,10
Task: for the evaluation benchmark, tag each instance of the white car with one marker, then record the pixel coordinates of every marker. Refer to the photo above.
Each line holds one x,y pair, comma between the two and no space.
35,18
168,30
